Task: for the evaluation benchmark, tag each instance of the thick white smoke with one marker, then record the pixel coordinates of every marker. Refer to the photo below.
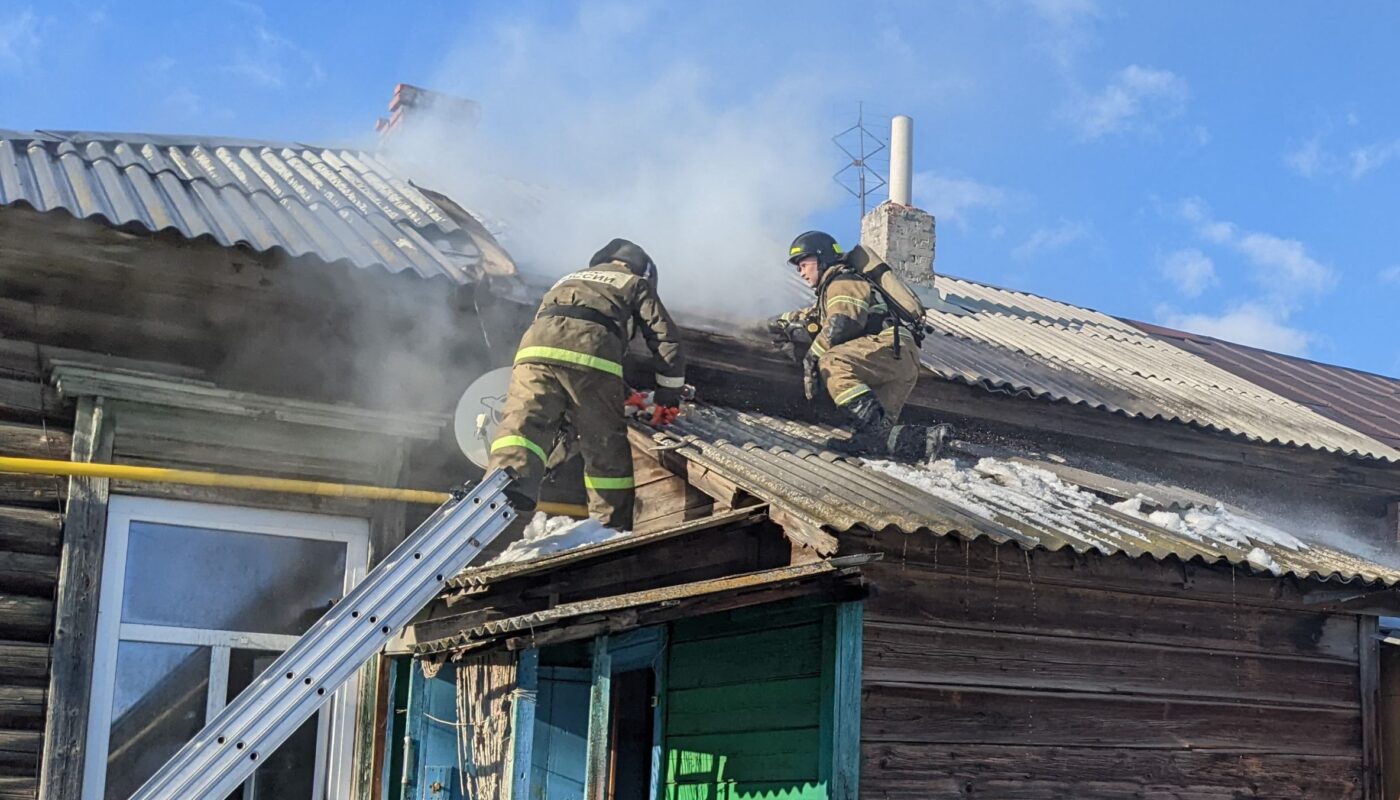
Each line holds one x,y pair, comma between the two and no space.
580,142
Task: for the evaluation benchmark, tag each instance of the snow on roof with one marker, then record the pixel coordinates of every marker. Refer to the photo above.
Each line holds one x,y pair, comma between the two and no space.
786,464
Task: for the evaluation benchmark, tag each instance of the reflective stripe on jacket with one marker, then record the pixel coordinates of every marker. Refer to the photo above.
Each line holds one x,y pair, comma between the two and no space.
620,296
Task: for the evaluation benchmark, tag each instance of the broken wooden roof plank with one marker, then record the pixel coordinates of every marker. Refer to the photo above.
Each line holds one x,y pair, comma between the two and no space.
494,573
735,583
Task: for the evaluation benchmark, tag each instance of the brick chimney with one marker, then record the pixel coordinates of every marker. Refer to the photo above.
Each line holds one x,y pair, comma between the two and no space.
896,231
410,102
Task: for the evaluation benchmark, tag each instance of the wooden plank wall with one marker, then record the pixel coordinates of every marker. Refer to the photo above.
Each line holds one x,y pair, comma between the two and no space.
991,672
664,499
32,424
81,292
744,706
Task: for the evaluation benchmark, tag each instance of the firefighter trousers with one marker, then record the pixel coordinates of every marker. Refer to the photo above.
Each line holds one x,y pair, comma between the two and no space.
540,399
861,366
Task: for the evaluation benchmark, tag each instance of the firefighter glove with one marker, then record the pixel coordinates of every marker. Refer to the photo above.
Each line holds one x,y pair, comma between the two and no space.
663,416
635,404
778,326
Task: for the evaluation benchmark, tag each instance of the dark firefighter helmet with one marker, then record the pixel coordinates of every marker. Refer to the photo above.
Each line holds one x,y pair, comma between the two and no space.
630,254
815,243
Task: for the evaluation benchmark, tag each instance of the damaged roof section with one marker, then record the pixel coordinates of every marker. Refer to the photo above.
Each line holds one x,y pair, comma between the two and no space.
785,464
653,605
338,205
729,560
1018,343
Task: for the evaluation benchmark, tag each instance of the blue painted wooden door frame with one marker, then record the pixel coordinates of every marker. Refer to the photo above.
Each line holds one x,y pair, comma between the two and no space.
432,750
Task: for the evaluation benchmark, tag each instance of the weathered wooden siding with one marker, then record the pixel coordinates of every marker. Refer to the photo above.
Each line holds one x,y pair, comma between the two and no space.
743,706
72,290
32,424
990,674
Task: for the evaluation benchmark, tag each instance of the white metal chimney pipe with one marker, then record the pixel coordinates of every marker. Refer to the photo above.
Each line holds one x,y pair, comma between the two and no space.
902,160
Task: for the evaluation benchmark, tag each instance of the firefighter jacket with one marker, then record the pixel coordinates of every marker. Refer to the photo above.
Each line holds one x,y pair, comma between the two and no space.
589,316
849,307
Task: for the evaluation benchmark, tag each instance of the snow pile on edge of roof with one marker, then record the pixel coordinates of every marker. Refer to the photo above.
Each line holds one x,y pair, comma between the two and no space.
546,535
1213,524
994,487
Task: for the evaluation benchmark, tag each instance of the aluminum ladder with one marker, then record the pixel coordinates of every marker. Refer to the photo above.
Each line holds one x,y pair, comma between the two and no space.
232,745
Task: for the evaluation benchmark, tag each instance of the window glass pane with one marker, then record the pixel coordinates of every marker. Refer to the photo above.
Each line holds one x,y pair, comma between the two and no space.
289,773
224,580
158,704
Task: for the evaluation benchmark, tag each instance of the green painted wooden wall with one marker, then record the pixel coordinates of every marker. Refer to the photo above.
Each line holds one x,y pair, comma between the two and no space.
744,706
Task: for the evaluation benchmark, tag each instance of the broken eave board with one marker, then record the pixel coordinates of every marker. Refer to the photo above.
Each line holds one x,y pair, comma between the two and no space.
844,568
484,576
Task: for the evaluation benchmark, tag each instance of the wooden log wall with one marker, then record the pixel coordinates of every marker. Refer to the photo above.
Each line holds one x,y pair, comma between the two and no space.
32,424
992,672
75,291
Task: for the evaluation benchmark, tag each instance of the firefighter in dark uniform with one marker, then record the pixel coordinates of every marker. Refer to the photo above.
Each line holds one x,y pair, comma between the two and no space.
569,369
853,354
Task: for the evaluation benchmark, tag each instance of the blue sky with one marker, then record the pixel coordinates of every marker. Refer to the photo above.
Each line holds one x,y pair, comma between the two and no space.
1203,165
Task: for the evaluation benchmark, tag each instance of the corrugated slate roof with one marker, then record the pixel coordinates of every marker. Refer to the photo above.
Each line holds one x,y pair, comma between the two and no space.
1019,343
334,204
1363,401
785,464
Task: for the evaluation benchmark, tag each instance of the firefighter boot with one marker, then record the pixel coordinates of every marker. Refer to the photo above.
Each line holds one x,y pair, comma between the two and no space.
915,444
870,429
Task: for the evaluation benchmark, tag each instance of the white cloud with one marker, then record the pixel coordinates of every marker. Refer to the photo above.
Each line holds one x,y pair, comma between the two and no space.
951,199
184,100
1136,99
19,39
1308,159
267,58
1046,240
1285,275
1282,267
1065,28
1065,12
1368,159
1284,264
1390,274
1248,324
1190,270
1193,209
1312,160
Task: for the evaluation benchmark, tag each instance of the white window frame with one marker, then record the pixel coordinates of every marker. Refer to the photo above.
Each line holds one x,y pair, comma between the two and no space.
335,738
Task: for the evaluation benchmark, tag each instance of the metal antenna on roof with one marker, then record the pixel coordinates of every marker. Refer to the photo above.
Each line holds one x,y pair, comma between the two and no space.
857,176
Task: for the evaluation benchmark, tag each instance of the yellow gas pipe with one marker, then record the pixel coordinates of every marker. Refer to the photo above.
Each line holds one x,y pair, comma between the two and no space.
190,477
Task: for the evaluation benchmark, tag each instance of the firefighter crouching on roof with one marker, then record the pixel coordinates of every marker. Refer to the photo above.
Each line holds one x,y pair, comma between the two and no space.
569,368
853,354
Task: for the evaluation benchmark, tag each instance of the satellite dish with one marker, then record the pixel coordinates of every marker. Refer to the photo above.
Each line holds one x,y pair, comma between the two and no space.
479,413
